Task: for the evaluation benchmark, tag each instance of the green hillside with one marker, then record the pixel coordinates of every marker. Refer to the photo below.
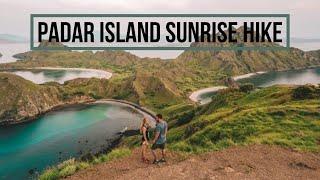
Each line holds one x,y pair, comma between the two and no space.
288,116
161,85
190,71
273,115
236,62
142,88
20,99
279,115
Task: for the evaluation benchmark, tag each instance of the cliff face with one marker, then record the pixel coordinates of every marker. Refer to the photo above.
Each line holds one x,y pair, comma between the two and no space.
315,53
21,99
235,62
241,62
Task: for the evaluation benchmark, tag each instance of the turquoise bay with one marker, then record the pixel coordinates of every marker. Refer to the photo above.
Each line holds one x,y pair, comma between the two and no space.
62,134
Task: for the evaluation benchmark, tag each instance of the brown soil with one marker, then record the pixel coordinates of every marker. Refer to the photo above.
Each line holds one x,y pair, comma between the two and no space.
253,162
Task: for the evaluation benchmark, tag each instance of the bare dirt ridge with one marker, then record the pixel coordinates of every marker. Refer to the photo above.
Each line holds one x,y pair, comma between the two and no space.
250,162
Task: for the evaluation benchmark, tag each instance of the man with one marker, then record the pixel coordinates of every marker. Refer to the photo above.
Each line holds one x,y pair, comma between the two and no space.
160,139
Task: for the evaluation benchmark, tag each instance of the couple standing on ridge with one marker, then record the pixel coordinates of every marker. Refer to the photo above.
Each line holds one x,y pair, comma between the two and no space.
159,140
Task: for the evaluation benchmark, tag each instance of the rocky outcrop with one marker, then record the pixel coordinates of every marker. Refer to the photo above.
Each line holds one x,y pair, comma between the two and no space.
237,62
230,82
314,53
21,100
46,43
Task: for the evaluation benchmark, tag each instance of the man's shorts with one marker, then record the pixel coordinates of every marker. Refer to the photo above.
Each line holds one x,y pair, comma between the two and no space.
158,146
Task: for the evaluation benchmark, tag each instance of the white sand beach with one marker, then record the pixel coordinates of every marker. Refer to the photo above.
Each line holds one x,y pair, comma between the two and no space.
248,75
195,95
102,74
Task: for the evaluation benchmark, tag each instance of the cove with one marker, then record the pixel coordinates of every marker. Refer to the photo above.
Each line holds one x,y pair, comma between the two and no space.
60,75
265,79
62,134
294,77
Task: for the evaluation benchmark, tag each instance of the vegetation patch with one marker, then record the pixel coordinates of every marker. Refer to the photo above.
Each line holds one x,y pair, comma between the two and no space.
71,166
266,116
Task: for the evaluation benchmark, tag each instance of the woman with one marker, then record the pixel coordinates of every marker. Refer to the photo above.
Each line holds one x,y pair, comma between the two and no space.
144,130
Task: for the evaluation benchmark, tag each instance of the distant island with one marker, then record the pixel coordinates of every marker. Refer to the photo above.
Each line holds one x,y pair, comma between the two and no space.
10,38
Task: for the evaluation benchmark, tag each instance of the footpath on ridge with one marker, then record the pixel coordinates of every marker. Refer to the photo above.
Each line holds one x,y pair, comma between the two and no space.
247,162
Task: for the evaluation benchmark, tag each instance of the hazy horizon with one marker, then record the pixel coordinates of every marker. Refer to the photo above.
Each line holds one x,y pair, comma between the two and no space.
305,26
15,15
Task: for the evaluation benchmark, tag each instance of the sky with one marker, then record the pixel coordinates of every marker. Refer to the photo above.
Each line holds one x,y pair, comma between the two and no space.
15,14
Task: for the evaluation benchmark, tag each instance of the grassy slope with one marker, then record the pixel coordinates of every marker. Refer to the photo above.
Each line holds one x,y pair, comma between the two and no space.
69,167
141,88
190,71
235,63
268,116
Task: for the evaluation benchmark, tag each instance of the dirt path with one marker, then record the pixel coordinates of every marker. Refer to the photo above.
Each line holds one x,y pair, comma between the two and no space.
254,162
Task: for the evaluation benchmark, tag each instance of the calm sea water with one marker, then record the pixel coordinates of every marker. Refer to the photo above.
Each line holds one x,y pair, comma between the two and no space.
206,97
9,49
297,77
59,135
40,76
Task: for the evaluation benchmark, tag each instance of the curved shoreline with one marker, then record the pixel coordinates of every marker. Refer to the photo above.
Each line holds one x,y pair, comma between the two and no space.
141,109
101,74
110,141
244,76
107,74
195,95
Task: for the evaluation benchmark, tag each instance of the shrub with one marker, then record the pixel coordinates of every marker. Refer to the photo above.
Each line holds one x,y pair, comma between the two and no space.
118,153
247,87
185,118
303,92
70,166
82,165
50,174
94,95
78,93
114,154
66,163
68,170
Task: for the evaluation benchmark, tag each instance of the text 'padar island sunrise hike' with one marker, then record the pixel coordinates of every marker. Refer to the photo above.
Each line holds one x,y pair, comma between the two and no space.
137,89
